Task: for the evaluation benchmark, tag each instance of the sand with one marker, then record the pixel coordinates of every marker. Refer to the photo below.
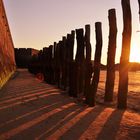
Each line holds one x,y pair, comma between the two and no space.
31,109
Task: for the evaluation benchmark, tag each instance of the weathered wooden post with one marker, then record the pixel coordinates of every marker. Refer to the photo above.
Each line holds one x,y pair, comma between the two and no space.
80,58
110,78
70,56
139,8
87,43
46,53
67,60
71,67
88,64
43,62
50,64
124,60
54,49
47,64
80,46
97,61
72,38
53,63
63,61
58,64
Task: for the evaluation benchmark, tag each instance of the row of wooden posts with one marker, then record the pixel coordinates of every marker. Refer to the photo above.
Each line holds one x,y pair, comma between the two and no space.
79,76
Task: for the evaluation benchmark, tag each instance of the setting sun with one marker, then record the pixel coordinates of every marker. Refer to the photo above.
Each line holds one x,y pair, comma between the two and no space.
135,52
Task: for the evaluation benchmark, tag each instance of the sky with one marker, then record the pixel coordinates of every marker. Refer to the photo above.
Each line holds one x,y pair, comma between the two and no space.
40,23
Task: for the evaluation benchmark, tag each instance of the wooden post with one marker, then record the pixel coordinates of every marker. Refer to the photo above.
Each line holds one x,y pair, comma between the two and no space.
110,78
87,43
97,61
124,60
78,66
50,64
54,49
139,8
53,62
58,64
47,64
44,64
80,58
63,79
72,38
73,80
67,60
80,46
88,64
72,67
70,56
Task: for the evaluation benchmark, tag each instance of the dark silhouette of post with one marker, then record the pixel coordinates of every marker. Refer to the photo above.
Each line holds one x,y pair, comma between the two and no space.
80,46
139,9
50,65
110,78
60,62
54,49
87,43
67,60
73,80
79,60
97,61
71,47
47,64
58,71
88,64
63,55
54,62
71,66
124,60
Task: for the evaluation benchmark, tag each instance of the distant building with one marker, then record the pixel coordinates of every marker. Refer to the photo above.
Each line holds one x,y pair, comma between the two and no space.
7,58
23,56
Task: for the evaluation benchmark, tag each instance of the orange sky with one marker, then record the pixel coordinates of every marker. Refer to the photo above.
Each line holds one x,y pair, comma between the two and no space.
38,23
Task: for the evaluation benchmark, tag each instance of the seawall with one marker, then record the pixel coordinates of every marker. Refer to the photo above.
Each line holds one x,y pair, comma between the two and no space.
7,58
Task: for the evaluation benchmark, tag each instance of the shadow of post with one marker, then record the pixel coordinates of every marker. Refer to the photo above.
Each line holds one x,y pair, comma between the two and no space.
112,125
79,128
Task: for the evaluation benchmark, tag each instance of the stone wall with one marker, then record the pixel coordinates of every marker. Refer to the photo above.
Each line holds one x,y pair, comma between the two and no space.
7,59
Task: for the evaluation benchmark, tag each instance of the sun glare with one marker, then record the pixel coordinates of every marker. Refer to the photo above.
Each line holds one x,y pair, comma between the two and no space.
135,53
